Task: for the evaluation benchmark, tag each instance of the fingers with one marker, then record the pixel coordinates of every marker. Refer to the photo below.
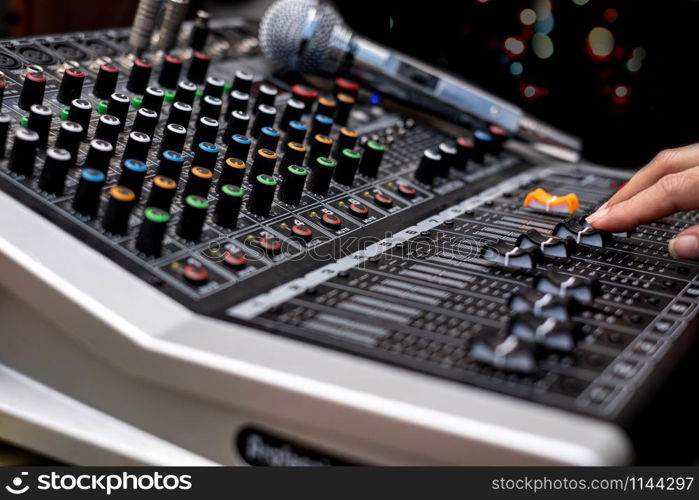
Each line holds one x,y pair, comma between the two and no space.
686,244
667,162
672,193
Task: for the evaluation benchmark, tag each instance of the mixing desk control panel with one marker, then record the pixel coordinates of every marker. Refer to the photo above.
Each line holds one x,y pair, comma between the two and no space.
317,214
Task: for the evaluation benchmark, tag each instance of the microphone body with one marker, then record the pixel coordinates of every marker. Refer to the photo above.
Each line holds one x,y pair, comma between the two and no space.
309,36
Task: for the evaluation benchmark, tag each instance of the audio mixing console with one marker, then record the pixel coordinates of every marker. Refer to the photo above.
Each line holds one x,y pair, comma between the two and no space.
227,263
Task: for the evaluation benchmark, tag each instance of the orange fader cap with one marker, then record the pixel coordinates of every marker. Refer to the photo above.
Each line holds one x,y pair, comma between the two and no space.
542,200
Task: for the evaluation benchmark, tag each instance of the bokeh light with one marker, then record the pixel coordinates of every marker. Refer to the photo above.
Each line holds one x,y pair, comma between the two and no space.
600,43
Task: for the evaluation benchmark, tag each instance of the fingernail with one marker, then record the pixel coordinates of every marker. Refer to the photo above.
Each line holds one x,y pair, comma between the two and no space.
684,247
601,213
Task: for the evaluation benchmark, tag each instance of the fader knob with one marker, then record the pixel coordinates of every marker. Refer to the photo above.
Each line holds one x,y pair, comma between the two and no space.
118,211
371,159
210,106
174,137
321,146
171,163
347,165
238,123
40,122
206,131
199,181
344,108
53,176
484,144
106,81
449,155
464,152
186,92
346,139
70,135
152,232
263,163
238,147
118,106
180,114
321,124
305,94
205,155
293,111
326,106
153,99
238,101
262,195
87,195
295,154
295,132
170,72
266,94
232,172
429,166
162,192
80,112
193,216
321,175
291,188
198,67
137,146
228,206
71,85
23,153
268,138
139,77
33,87
145,121
214,87
5,121
264,118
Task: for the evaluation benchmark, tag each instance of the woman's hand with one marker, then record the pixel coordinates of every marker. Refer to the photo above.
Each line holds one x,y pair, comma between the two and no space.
668,184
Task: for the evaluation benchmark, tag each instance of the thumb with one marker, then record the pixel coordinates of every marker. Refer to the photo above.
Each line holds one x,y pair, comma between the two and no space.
686,244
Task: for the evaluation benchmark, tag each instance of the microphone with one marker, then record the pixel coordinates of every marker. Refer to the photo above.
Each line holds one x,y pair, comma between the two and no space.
310,37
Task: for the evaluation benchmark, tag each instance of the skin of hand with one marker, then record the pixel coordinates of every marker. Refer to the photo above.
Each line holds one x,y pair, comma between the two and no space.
668,184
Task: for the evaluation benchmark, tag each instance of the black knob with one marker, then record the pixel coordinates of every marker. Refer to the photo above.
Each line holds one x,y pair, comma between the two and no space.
326,106
228,206
296,132
118,106
266,94
137,146
200,31
40,122
170,72
5,121
242,81
210,106
321,124
70,135
232,172
193,216
53,176
87,195
262,195
23,152
499,136
321,175
33,87
294,154
206,131
80,112
263,163
429,166
347,165
464,152
3,86
145,121
268,138
449,155
483,142
371,159
119,206
99,155
214,87
162,192
133,173
321,146
152,232
174,137
264,118
108,127
345,102
291,188
139,77
171,163
186,92
238,147
238,123
198,67
106,81
153,99
199,181
238,101
205,155
71,85
343,85
180,113
293,111
305,94
346,139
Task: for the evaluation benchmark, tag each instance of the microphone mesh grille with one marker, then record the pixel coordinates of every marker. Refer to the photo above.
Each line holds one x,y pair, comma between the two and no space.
282,34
